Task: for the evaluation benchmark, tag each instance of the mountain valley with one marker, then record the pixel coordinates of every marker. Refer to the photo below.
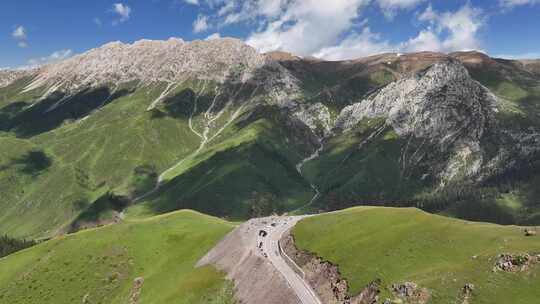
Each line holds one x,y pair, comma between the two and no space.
102,155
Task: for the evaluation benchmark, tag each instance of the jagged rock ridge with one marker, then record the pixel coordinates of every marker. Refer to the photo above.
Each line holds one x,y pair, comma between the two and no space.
150,61
442,104
9,76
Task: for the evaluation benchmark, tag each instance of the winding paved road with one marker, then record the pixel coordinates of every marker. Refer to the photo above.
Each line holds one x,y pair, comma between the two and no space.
272,251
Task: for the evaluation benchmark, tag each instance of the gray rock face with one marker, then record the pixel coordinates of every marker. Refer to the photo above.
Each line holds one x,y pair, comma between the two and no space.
224,61
9,76
150,61
442,105
316,117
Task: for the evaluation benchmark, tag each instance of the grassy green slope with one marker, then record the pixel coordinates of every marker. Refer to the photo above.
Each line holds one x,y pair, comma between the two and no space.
398,245
37,191
519,92
362,166
96,144
103,263
86,157
251,172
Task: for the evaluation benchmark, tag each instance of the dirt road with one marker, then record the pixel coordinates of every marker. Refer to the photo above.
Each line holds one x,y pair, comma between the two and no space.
271,250
252,258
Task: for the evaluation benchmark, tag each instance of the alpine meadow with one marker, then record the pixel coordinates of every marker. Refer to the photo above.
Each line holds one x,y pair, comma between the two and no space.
332,167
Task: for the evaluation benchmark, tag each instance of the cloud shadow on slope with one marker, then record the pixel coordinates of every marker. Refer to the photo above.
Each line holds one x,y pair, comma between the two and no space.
27,121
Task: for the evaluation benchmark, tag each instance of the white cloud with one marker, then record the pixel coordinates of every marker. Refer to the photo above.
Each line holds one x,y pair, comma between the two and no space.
337,30
459,28
233,18
519,56
305,26
390,7
213,36
52,58
445,32
356,45
97,21
200,24
426,40
192,2
19,33
514,3
123,11
227,8
234,11
270,8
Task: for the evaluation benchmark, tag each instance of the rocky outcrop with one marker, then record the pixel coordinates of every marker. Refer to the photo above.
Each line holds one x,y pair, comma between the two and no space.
515,262
317,117
410,292
149,61
325,279
224,64
442,106
9,76
136,289
442,103
466,293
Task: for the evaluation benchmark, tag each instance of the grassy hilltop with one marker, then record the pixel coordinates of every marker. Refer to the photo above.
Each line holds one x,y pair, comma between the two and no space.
400,245
102,265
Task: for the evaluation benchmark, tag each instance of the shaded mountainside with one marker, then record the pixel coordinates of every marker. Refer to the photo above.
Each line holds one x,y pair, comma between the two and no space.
134,130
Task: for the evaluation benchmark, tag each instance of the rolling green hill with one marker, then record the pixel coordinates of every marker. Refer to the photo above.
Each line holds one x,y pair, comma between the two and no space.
441,254
143,261
62,169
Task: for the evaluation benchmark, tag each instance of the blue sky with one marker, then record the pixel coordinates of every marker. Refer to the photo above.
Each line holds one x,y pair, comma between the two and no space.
37,32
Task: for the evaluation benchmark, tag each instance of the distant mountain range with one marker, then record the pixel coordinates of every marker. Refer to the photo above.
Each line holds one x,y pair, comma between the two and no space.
131,130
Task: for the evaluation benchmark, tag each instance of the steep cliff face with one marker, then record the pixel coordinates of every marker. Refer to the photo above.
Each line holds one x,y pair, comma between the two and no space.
9,76
149,61
443,106
429,104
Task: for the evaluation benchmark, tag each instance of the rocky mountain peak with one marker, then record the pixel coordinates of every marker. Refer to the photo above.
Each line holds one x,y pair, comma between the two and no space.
442,106
148,61
428,103
9,76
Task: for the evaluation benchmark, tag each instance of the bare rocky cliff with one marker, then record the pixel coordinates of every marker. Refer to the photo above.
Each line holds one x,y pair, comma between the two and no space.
150,61
9,76
326,279
429,104
443,108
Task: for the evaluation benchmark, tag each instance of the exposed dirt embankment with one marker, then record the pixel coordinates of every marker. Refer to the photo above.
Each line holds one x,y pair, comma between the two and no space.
255,279
325,278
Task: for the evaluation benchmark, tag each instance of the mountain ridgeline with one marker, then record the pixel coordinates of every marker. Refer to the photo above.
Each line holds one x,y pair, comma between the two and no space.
135,130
